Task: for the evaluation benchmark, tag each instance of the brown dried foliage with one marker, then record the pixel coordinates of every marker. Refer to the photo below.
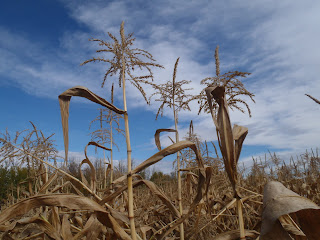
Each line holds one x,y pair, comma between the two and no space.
54,204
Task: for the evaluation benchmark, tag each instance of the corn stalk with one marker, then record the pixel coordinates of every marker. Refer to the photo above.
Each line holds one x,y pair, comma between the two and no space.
173,95
124,60
230,139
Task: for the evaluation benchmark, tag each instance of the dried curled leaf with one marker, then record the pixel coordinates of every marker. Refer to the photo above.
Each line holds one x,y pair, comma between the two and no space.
64,101
239,134
163,153
157,136
92,143
279,201
168,151
92,175
224,131
230,139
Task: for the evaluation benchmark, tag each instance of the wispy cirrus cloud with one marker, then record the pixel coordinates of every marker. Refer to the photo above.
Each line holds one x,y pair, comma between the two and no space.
276,41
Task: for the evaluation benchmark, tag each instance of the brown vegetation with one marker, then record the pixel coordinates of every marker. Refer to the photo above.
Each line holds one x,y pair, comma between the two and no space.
212,197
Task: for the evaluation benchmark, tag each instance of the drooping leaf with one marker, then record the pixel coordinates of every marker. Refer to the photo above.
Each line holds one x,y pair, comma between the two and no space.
64,101
168,151
157,136
92,175
92,143
208,91
224,131
239,134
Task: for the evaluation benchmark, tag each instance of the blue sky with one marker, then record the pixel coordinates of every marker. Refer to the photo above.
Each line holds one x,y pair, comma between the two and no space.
43,43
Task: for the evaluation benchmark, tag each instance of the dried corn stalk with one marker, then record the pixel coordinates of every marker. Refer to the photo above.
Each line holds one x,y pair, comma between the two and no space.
230,140
124,61
173,95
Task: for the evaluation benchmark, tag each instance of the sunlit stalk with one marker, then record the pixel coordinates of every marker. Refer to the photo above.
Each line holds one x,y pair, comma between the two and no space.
240,217
178,165
129,178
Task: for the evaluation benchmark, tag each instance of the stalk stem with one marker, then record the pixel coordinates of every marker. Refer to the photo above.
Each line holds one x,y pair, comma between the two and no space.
129,176
178,166
105,170
240,216
111,154
111,144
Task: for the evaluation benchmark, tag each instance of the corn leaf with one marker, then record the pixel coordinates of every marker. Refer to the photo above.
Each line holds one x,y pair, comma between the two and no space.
157,136
64,101
279,201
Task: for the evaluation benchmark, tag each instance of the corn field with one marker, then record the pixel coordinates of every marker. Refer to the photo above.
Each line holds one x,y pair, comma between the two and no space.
211,196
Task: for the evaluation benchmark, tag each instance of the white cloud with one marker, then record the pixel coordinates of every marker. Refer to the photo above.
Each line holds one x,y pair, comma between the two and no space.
99,16
276,41
282,116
